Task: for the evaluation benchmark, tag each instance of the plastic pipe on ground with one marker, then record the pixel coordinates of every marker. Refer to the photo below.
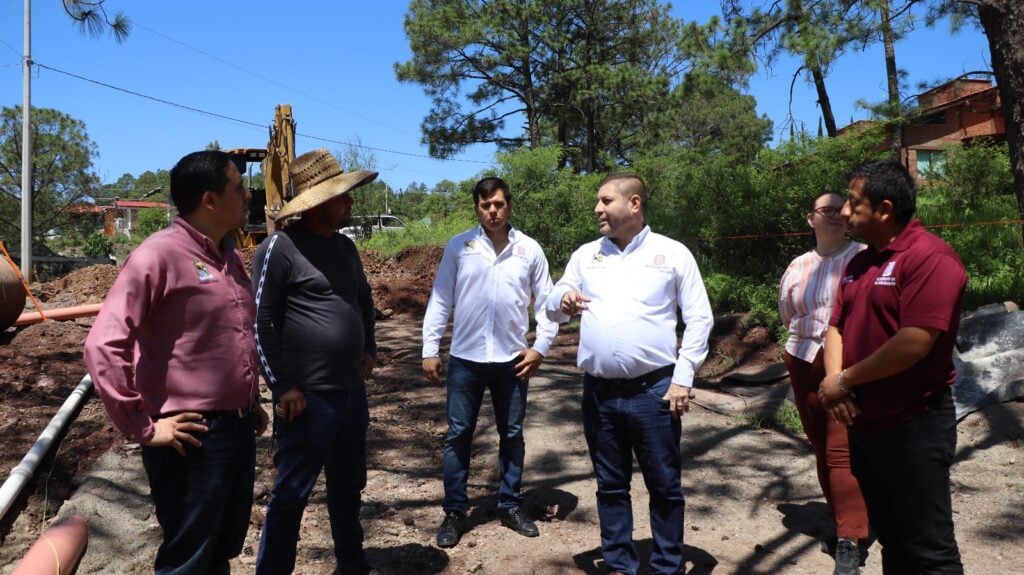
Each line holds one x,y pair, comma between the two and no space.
57,551
26,469
63,313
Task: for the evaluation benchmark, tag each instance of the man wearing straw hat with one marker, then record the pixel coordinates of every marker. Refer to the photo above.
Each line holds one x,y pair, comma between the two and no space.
172,357
315,340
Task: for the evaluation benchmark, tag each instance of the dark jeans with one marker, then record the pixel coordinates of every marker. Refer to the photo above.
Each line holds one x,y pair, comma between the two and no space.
617,425
203,500
466,383
904,475
329,435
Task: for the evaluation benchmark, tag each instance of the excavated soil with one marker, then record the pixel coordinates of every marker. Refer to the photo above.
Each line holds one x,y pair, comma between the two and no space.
753,505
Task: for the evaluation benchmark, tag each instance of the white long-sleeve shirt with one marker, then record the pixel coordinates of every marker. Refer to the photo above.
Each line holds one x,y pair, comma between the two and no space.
491,296
629,326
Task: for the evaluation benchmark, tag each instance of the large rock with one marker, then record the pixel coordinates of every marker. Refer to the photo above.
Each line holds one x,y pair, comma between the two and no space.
989,358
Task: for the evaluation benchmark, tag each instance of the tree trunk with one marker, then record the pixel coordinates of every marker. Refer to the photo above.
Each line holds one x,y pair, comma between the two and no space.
823,101
892,76
1003,22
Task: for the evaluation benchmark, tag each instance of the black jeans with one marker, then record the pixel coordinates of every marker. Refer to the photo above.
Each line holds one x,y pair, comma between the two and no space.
203,500
904,475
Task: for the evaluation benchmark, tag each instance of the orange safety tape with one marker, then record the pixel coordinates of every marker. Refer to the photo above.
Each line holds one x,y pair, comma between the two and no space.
39,308
789,234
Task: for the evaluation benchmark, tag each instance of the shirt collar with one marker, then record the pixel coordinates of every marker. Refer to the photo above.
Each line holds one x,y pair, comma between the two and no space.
513,235
226,245
633,245
906,237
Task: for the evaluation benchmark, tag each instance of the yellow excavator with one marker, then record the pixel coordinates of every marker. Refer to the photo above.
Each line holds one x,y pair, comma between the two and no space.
275,159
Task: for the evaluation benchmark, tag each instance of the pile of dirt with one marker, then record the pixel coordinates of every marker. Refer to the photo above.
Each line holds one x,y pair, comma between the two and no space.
403,283
85,286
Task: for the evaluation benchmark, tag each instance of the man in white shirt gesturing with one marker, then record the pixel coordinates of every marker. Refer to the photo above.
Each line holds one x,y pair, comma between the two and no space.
488,274
626,287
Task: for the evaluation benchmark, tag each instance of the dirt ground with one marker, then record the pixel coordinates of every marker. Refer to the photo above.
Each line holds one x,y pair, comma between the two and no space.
753,504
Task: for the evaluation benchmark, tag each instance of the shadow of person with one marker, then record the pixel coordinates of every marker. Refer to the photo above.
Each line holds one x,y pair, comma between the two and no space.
411,558
809,518
543,505
696,561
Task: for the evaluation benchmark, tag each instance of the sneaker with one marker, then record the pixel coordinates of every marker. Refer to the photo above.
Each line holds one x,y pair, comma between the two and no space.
514,519
847,558
450,532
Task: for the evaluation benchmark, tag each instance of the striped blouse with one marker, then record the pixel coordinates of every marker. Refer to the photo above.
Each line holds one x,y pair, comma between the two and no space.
806,295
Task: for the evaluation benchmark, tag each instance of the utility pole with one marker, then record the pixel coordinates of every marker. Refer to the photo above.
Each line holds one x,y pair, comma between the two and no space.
26,150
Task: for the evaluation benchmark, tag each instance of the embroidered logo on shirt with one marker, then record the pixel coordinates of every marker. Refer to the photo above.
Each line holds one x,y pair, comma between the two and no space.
598,257
886,278
659,260
202,271
520,251
470,244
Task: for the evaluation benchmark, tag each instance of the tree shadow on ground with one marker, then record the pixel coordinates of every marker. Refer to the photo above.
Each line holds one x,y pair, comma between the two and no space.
696,560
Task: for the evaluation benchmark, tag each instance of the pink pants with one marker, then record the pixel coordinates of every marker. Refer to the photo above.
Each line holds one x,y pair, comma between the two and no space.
831,449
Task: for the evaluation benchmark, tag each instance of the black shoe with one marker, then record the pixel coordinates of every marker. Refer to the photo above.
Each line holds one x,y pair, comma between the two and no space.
847,558
514,519
450,532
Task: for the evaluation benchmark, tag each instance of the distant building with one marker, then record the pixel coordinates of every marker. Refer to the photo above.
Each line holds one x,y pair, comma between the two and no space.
956,112
121,217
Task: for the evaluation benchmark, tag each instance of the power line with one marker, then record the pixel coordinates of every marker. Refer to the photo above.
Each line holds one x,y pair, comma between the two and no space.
270,80
12,49
244,122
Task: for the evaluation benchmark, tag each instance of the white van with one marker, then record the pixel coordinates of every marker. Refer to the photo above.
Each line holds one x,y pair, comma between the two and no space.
362,227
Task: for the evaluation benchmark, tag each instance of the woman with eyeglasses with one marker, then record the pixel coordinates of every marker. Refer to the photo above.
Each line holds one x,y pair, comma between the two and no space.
806,296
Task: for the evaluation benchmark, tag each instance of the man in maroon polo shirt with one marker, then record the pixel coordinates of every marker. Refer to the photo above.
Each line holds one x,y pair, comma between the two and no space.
889,366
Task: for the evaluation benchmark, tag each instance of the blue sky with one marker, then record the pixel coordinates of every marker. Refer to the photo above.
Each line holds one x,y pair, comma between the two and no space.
333,61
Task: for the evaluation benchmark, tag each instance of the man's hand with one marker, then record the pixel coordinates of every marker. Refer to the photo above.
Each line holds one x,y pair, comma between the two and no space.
829,391
678,398
844,411
573,302
368,365
432,370
291,404
837,401
176,430
529,363
262,419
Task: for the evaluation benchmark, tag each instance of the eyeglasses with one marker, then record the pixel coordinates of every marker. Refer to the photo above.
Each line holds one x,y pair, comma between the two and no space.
827,211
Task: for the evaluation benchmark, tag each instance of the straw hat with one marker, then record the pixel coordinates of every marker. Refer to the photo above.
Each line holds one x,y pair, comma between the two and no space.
316,177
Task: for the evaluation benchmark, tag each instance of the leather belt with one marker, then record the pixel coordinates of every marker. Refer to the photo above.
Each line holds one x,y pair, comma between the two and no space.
631,386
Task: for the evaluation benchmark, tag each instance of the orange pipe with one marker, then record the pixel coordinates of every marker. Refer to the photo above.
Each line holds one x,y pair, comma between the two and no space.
57,551
63,313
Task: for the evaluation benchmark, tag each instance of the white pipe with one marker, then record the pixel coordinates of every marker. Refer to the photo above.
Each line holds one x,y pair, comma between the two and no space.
27,468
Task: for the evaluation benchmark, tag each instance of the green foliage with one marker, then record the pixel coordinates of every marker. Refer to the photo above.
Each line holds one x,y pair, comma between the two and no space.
421,233
98,246
588,77
975,187
151,220
62,176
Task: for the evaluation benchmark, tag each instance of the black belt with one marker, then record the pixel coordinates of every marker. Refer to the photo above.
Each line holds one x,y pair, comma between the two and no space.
631,386
239,413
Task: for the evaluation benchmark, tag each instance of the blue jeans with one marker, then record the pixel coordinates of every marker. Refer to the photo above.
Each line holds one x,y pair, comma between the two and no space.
203,500
466,383
904,474
617,425
329,435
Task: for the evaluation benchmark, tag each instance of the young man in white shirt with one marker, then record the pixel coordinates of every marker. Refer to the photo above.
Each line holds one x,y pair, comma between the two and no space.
627,287
488,274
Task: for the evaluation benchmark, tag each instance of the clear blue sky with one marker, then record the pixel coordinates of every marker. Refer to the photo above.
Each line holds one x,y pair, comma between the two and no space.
333,61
